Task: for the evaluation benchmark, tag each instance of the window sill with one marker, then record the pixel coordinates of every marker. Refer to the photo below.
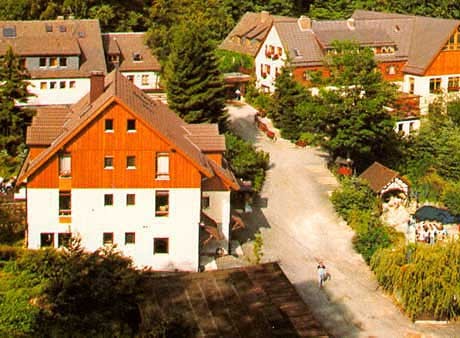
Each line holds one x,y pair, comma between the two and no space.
108,168
161,214
109,131
162,178
131,131
130,168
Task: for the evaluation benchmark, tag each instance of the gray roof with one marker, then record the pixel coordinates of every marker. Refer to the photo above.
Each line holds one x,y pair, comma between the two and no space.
416,39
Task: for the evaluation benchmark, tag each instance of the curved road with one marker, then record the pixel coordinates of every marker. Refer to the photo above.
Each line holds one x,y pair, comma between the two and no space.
301,228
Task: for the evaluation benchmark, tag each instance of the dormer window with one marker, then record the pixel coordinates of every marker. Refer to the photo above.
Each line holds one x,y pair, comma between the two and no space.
62,29
114,58
48,28
9,32
137,57
42,62
53,61
62,62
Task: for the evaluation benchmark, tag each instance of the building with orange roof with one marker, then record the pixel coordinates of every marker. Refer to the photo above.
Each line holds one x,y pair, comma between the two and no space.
117,168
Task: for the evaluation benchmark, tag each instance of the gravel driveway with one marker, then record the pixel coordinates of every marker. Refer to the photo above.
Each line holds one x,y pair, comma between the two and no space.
299,228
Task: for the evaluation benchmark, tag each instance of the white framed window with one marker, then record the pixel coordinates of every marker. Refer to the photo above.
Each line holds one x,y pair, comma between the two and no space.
162,166
108,162
130,162
65,165
145,80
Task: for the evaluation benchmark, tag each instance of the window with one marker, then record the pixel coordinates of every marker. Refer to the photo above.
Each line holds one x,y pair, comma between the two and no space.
46,239
9,32
107,238
48,28
137,57
65,165
62,62
161,203
160,246
108,199
454,41
53,61
113,58
391,70
435,85
130,238
411,126
280,51
53,85
108,162
400,127
453,84
42,62
72,84
130,78
22,62
205,203
162,166
62,84
130,162
411,85
145,80
43,85
131,125
62,28
108,125
64,239
65,203
130,199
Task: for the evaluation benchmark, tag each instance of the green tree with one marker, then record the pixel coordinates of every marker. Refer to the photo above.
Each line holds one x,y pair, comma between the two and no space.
13,90
355,117
194,84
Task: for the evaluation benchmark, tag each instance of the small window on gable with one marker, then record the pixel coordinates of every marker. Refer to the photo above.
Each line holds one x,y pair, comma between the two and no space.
205,202
160,246
108,200
145,80
65,165
48,28
137,57
43,85
53,61
65,203
130,162
130,78
42,62
162,166
9,32
46,239
62,84
53,85
62,62
108,125
108,162
161,203
130,199
72,84
107,238
131,125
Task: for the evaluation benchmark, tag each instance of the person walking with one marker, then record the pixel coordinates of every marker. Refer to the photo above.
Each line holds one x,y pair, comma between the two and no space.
322,274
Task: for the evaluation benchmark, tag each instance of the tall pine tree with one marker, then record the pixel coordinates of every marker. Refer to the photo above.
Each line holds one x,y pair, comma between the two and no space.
195,87
13,90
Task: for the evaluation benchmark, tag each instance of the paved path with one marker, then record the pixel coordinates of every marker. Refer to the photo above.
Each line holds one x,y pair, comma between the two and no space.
302,228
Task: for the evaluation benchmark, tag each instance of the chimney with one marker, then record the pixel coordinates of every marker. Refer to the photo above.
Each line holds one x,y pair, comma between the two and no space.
351,24
304,23
97,80
264,16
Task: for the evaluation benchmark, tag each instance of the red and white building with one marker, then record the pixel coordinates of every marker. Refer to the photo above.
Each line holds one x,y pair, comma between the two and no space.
118,168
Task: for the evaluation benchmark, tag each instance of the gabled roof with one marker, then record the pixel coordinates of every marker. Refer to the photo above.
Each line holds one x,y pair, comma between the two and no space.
155,114
249,33
254,301
126,45
57,38
378,176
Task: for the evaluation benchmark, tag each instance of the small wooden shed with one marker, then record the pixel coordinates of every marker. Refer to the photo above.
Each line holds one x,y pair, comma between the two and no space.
384,181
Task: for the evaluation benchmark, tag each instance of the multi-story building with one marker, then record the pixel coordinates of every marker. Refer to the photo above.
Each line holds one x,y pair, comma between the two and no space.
419,54
120,168
59,55
133,58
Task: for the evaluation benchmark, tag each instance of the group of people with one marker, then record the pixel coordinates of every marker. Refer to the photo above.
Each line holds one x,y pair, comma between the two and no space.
430,232
6,185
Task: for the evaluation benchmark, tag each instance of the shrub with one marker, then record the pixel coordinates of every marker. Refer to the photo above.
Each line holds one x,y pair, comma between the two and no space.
8,252
451,198
354,194
431,186
245,161
424,278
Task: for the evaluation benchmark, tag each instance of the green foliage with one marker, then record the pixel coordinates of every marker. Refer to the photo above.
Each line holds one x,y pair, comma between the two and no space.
424,278
233,62
13,120
195,86
254,97
430,187
258,247
354,194
8,252
451,198
246,162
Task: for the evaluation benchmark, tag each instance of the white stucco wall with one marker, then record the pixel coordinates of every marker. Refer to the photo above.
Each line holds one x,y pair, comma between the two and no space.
90,219
407,126
272,39
153,79
57,95
219,210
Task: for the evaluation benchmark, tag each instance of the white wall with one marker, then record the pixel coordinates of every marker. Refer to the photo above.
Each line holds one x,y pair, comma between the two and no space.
407,126
272,39
153,79
90,219
219,210
57,95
